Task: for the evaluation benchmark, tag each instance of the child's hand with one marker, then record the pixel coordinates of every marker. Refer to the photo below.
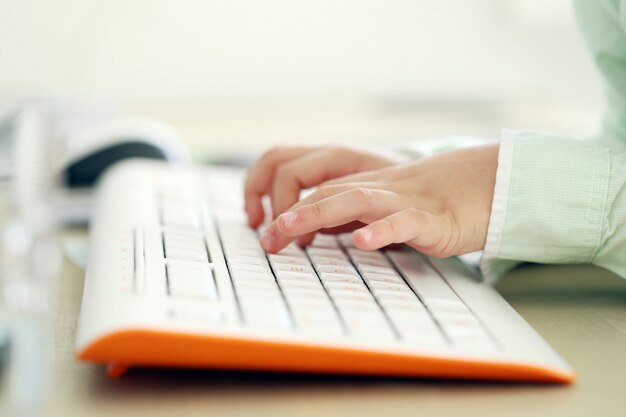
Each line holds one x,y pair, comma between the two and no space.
438,205
283,172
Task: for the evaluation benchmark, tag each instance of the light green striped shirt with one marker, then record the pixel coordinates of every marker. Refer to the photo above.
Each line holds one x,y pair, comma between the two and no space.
560,200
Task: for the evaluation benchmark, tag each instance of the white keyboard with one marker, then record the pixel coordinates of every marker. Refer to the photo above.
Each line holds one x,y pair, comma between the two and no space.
189,284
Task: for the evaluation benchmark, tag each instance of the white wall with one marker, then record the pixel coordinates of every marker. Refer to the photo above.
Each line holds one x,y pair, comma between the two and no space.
197,55
211,51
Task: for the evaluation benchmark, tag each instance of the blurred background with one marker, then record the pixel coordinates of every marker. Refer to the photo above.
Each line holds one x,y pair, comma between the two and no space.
245,74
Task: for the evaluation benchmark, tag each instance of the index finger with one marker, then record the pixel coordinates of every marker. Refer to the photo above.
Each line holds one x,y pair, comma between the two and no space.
260,176
354,205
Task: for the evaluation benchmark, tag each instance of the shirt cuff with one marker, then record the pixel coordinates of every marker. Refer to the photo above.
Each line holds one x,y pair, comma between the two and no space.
548,204
491,267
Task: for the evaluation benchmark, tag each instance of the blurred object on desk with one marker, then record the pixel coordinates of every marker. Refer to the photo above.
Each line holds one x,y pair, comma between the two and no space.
84,138
29,256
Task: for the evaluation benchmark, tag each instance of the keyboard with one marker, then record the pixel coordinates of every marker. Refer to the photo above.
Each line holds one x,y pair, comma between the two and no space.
176,278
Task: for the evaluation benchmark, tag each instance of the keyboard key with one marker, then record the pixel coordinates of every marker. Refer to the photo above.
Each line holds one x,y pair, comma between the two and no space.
248,260
264,314
186,254
362,262
180,220
370,277
189,281
257,294
240,242
296,276
384,295
464,330
329,277
240,251
292,268
390,286
371,326
243,284
288,260
326,261
344,270
411,319
238,238
364,254
416,326
194,243
172,233
403,305
286,283
334,287
254,276
310,318
328,253
424,280
347,304
338,294
325,241
346,240
180,215
239,267
445,305
222,209
324,311
231,226
310,303
292,250
378,270
183,240
292,292
457,319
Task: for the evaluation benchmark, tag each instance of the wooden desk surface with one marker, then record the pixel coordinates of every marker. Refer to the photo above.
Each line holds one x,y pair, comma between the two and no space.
580,310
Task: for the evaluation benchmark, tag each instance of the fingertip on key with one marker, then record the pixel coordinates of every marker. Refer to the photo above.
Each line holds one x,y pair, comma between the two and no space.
363,238
268,238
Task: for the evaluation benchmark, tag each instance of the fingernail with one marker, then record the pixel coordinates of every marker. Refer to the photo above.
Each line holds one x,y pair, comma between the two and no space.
288,218
366,234
267,239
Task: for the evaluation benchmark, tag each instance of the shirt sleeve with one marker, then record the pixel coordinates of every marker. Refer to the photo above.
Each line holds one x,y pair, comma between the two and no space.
603,24
560,200
556,200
